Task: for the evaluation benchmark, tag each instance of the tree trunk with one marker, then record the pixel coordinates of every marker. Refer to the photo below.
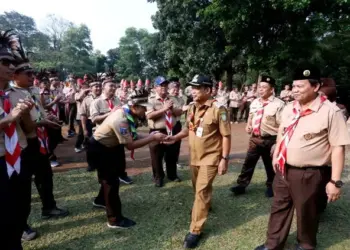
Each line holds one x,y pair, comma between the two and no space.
229,77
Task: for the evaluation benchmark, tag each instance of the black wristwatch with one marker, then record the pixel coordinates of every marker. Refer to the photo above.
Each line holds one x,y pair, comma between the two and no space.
224,158
337,184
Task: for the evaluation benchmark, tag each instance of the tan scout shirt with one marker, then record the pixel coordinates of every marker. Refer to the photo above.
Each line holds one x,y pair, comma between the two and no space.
207,149
38,111
251,95
235,99
315,134
114,130
100,106
272,115
85,105
179,103
14,98
157,105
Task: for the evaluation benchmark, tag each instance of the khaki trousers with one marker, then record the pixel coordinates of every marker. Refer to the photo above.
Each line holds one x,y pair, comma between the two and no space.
202,181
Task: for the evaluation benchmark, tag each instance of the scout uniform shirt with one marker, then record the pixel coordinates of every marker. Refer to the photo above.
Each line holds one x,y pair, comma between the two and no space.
235,99
251,95
100,106
85,105
207,124
222,98
157,104
315,134
271,117
286,93
14,98
114,130
178,102
38,111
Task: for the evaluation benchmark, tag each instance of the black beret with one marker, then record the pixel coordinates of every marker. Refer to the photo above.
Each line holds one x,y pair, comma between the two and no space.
268,79
201,80
307,72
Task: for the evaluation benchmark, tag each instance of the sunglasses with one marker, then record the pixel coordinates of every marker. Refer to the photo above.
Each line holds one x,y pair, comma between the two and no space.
6,62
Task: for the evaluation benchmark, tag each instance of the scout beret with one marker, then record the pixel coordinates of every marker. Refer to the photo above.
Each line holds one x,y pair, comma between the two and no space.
308,72
201,80
268,79
139,98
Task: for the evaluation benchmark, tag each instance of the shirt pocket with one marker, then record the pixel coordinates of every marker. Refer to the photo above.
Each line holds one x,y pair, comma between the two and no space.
314,133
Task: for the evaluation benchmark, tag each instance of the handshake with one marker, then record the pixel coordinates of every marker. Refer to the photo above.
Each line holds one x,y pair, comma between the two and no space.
162,138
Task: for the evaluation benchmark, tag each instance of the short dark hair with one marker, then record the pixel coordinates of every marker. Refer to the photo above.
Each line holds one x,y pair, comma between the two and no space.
314,82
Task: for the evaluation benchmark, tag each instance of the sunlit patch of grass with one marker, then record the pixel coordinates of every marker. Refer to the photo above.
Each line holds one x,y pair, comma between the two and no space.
163,216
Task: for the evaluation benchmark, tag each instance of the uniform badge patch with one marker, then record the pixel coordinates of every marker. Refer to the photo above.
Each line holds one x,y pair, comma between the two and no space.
308,136
123,128
223,117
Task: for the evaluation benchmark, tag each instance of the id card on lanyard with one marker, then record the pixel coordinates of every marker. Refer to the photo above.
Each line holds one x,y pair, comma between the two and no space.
199,131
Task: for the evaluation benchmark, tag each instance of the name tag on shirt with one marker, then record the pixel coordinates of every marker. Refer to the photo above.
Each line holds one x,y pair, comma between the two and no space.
199,132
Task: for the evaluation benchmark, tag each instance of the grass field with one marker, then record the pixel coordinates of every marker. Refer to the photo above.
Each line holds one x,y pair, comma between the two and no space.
163,216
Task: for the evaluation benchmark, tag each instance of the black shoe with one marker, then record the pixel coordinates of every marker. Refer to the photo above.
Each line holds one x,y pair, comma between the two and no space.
238,190
90,169
124,223
177,179
191,240
269,192
262,247
159,183
54,213
126,180
98,204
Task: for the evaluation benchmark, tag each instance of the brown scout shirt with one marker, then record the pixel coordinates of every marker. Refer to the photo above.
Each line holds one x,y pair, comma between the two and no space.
178,102
157,105
114,130
313,138
100,107
272,115
33,92
85,105
207,149
14,98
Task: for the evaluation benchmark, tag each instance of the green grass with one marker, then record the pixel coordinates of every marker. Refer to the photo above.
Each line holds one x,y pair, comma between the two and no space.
163,216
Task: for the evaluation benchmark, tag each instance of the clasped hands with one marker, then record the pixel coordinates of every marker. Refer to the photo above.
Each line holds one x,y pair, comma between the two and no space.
162,138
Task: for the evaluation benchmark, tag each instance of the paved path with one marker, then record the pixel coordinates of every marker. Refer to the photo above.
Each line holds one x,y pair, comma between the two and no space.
71,160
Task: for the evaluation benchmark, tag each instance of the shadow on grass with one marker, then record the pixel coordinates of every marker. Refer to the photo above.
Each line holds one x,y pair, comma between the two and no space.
163,216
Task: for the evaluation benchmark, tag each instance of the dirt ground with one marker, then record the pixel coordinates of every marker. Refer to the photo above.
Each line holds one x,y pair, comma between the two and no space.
71,160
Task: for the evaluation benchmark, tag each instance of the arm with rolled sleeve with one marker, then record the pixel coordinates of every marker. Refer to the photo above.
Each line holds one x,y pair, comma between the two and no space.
338,137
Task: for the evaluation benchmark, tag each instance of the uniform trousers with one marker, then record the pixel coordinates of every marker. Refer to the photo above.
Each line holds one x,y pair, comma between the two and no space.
234,114
258,146
170,153
55,137
41,169
301,189
14,196
202,181
109,162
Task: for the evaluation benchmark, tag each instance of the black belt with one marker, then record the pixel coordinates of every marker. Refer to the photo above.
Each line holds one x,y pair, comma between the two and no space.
307,167
268,137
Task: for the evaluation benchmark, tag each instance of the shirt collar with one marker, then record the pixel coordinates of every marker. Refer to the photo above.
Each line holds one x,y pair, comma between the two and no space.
159,98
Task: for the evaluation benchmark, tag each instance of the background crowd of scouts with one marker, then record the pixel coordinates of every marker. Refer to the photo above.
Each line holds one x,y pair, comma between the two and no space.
34,106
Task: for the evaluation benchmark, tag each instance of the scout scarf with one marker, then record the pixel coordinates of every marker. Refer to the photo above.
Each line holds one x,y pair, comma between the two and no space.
132,126
258,117
168,120
41,131
12,147
54,107
193,125
282,151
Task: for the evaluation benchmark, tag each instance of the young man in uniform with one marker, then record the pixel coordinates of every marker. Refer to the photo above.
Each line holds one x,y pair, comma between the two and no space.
86,122
106,147
79,98
263,122
37,140
209,132
312,136
15,177
101,108
162,117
